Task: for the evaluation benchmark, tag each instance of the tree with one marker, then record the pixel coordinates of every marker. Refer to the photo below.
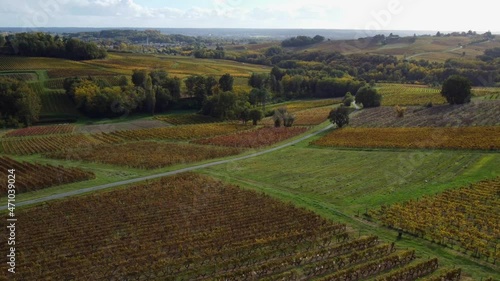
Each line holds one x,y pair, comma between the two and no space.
2,40
257,81
18,103
223,105
255,115
457,90
339,116
348,99
368,96
139,77
259,97
226,82
282,116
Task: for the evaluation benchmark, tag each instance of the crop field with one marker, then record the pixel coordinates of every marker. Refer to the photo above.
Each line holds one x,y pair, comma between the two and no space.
24,76
486,93
187,132
145,155
191,227
467,218
41,130
31,177
176,65
306,117
41,144
186,119
56,102
484,138
254,138
476,113
295,106
404,94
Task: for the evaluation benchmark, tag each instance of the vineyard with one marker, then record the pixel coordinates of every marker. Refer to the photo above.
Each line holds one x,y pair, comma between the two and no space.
186,119
24,76
404,94
303,105
191,227
255,138
484,138
187,132
34,145
41,130
467,218
145,155
31,177
477,113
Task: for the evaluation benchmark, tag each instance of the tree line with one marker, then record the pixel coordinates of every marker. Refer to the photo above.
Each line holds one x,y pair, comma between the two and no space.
45,45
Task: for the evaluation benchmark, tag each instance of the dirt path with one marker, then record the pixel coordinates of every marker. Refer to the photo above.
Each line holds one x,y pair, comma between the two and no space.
188,169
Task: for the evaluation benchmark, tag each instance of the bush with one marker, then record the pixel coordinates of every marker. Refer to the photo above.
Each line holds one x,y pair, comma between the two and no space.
400,111
348,99
457,90
255,115
339,116
368,96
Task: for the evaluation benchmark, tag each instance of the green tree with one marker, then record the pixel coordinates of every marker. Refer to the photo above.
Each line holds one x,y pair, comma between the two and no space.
339,116
18,102
457,90
222,105
158,77
226,82
139,77
348,99
368,96
2,40
258,81
255,115
259,97
150,101
282,116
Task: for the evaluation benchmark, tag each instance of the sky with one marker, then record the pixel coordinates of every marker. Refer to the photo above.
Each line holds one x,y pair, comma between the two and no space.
434,15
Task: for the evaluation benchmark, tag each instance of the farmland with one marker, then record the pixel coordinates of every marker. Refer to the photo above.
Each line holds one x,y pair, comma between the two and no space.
29,178
41,130
40,144
145,155
186,119
485,138
477,113
255,138
187,132
208,230
453,218
402,94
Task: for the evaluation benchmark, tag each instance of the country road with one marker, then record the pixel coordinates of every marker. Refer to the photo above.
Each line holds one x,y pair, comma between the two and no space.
192,168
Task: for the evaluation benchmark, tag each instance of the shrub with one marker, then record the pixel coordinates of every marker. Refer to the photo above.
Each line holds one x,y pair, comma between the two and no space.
368,96
339,116
400,111
457,90
348,99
